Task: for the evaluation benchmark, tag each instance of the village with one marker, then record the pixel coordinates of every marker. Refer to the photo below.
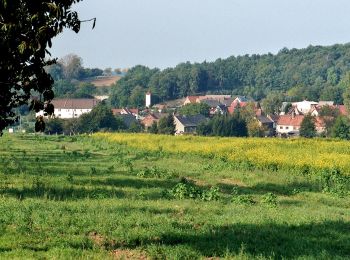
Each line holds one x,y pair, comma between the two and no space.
286,123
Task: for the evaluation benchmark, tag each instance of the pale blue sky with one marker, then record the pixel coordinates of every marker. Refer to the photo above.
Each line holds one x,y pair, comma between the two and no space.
163,33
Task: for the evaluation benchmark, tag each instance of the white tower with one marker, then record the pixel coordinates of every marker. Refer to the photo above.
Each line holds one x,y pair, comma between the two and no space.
148,99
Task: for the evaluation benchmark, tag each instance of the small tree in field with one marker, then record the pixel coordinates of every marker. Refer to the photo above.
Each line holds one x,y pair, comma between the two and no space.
307,128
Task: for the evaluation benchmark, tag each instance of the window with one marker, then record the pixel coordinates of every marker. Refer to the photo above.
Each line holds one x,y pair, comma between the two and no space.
281,127
287,127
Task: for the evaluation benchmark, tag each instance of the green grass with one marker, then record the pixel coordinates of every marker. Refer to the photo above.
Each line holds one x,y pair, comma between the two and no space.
81,197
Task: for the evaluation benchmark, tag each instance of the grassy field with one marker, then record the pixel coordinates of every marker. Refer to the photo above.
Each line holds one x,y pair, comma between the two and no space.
155,197
105,81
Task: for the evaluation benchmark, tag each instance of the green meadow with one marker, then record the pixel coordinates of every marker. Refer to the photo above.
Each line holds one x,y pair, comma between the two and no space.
84,197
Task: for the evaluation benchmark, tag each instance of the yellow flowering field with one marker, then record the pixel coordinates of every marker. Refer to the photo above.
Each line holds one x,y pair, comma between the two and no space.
258,153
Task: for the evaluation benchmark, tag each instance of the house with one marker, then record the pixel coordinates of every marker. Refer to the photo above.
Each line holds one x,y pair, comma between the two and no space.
219,98
101,98
289,125
266,123
160,107
294,110
240,101
304,106
71,108
191,100
315,111
218,110
200,99
227,101
211,103
187,124
325,103
274,119
148,120
125,111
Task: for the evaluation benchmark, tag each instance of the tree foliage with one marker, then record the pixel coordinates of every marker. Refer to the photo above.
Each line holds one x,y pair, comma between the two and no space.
26,30
307,127
100,118
166,125
272,103
223,125
195,109
312,73
254,129
341,128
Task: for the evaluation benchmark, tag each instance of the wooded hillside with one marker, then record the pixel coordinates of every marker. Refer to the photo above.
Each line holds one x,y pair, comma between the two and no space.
314,73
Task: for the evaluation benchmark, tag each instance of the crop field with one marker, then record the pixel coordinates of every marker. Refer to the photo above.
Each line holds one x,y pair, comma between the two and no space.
139,196
105,81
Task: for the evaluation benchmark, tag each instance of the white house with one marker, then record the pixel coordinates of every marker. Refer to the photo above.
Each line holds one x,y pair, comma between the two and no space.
71,108
289,124
187,124
304,106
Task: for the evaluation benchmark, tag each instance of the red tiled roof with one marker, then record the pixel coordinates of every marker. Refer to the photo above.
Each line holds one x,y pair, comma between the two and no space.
131,110
76,103
192,99
342,110
288,120
149,119
116,111
119,111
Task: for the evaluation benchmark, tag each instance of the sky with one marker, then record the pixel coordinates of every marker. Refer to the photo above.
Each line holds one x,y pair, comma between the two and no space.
164,33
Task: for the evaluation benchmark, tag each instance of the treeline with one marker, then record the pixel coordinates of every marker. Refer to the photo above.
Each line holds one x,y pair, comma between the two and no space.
312,73
70,78
70,67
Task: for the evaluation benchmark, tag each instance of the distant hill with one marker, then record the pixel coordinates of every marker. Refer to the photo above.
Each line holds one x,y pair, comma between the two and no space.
315,73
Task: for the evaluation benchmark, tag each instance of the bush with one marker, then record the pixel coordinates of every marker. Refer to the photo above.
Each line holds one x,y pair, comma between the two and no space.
332,181
270,199
188,190
243,199
154,172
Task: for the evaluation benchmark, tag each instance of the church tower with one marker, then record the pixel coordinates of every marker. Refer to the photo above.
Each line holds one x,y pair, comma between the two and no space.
148,99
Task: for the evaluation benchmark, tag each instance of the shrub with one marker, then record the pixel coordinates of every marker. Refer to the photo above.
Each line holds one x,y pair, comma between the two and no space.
155,172
243,199
332,181
270,199
188,190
